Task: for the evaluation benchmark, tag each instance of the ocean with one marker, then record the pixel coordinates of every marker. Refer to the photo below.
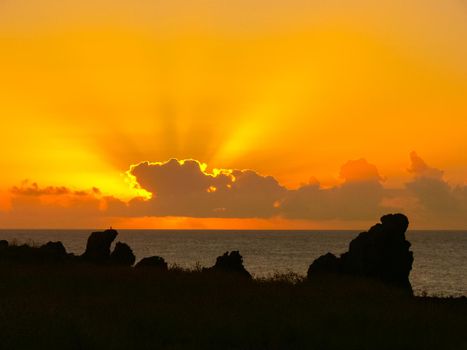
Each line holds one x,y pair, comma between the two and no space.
440,266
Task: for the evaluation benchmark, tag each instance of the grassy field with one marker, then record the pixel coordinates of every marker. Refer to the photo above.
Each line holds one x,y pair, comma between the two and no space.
88,307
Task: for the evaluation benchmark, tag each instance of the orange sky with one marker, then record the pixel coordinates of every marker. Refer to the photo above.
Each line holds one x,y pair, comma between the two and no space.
291,89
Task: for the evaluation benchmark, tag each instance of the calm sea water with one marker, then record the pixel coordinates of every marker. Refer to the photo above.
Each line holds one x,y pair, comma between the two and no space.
440,266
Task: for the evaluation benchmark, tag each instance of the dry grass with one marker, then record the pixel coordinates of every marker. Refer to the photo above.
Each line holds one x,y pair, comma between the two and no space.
86,307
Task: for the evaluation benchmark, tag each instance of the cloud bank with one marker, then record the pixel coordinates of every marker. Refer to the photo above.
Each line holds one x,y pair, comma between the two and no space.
185,188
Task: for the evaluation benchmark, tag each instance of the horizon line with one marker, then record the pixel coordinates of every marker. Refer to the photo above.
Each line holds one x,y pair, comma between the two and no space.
216,229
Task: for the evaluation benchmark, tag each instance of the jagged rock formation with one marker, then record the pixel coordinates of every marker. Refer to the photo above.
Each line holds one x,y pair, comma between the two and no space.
122,255
98,246
382,253
153,262
231,263
97,252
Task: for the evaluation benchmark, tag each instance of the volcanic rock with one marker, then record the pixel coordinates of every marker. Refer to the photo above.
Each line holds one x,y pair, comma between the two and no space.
382,253
98,246
231,262
53,251
122,255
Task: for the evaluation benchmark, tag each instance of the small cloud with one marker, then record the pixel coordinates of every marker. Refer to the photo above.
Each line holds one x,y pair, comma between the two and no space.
33,189
419,168
359,171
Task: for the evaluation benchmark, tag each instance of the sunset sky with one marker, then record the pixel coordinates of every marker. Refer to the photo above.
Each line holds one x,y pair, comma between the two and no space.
290,114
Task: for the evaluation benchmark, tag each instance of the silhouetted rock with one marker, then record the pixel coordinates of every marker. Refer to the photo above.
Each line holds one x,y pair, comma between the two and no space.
98,246
231,262
153,262
382,253
325,264
3,244
53,251
19,254
122,255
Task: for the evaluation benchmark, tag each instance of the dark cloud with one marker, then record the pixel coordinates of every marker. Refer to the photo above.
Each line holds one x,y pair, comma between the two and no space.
33,189
184,188
435,197
358,198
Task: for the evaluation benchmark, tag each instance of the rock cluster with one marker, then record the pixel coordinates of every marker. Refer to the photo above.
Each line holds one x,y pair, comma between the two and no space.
98,246
382,254
98,250
51,252
122,255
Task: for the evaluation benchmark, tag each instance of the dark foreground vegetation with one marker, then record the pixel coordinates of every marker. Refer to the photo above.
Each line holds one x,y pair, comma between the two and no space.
118,308
52,300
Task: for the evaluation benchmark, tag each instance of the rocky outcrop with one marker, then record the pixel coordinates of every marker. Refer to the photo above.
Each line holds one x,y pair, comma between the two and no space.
3,244
122,255
98,246
97,252
382,253
324,265
153,262
51,252
54,251
230,262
